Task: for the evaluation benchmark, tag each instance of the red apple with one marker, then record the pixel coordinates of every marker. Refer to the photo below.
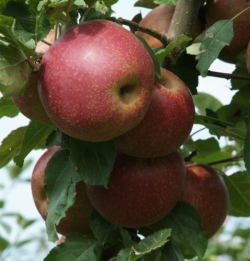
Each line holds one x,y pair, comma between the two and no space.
205,189
77,216
140,191
96,81
30,104
159,19
248,56
166,125
226,9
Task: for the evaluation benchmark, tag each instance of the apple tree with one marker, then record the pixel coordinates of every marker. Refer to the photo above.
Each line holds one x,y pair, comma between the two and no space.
127,172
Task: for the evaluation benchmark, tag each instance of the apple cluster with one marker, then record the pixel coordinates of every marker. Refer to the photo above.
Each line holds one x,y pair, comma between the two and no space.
97,83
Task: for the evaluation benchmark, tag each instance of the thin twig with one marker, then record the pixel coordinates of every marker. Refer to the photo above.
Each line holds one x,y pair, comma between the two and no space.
238,158
229,75
161,37
190,156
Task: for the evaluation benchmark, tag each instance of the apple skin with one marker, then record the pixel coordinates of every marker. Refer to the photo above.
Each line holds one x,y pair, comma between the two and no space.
248,57
226,9
96,81
205,189
77,216
166,125
30,104
140,191
159,19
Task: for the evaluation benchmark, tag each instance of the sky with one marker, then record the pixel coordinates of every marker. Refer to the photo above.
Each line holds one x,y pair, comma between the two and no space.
20,198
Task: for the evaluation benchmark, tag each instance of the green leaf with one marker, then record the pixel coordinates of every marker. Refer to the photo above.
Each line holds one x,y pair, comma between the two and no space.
246,151
157,66
7,35
30,23
110,2
205,101
15,172
4,243
11,145
240,83
238,186
168,252
185,69
145,246
215,157
58,138
187,231
172,252
94,160
2,203
23,222
220,127
34,134
24,242
7,108
215,38
150,243
6,226
126,238
77,247
162,53
166,2
242,97
103,230
146,3
207,147
123,255
15,70
61,178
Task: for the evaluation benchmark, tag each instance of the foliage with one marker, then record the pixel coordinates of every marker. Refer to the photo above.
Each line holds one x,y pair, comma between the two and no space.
18,233
23,24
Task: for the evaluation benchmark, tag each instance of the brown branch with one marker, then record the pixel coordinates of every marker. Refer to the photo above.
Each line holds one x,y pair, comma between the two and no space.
229,75
161,37
45,42
237,158
190,156
184,20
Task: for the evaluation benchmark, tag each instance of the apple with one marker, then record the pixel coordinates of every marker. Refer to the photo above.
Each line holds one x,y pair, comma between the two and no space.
29,104
77,216
167,123
96,81
248,57
140,191
159,19
205,189
226,9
